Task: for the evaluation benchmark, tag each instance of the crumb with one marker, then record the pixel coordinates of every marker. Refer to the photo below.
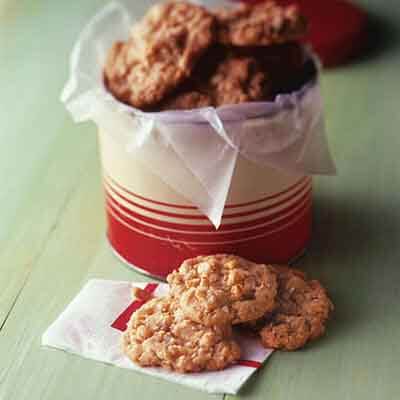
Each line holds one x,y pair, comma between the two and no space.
140,294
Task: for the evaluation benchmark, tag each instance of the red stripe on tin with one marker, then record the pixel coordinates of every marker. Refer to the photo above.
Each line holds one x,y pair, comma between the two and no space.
161,257
110,189
249,363
122,320
204,228
160,203
235,240
244,230
150,288
185,207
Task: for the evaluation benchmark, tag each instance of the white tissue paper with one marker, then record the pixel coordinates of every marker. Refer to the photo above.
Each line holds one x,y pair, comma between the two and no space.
92,323
200,147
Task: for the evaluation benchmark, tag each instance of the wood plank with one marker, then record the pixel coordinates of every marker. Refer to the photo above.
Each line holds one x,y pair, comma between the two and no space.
42,152
39,215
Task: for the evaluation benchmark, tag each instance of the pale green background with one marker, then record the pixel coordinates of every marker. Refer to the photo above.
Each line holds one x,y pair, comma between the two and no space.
52,225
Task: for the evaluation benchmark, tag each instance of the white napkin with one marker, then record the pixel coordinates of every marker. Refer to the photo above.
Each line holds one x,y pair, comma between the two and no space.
92,323
202,144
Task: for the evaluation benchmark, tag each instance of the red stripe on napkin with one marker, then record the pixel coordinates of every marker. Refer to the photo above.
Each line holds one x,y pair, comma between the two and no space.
150,288
249,363
123,319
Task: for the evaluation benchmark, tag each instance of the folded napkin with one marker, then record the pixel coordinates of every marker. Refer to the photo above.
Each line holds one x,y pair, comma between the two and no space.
92,323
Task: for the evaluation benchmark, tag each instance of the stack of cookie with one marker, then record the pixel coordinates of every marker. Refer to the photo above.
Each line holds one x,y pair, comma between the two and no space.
183,56
190,329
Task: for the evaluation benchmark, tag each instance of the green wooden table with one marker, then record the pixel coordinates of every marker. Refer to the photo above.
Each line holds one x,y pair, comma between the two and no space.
52,225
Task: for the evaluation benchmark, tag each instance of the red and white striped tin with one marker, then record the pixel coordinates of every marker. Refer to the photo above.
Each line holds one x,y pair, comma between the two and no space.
267,217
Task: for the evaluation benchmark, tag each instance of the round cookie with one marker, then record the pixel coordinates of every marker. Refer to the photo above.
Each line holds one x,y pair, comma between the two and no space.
160,53
213,289
158,335
261,24
303,309
238,80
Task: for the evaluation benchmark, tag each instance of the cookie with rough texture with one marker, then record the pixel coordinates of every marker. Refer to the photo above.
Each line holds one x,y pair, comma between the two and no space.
213,289
259,24
285,65
160,54
159,335
233,80
238,80
302,312
187,101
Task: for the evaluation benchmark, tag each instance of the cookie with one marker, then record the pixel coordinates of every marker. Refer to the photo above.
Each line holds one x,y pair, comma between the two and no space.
259,24
285,65
213,289
159,335
302,312
238,80
160,54
233,80
187,101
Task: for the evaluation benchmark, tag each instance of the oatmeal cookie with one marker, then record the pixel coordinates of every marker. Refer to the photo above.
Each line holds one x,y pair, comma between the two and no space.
211,289
187,101
259,24
303,309
159,335
284,64
160,53
234,80
238,80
